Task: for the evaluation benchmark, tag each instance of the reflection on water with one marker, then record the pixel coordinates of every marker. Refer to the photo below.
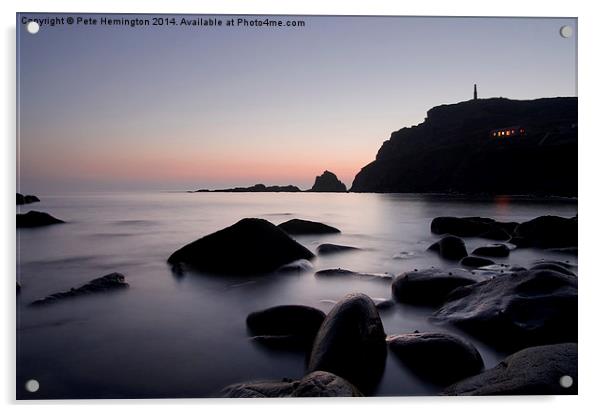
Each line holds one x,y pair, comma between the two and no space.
185,336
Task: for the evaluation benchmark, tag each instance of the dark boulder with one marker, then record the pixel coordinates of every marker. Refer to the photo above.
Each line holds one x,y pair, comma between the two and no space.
328,182
110,282
26,199
492,250
36,219
351,343
516,310
450,248
325,249
251,246
315,384
552,266
532,371
476,262
548,232
286,325
473,227
437,357
340,272
429,286
303,227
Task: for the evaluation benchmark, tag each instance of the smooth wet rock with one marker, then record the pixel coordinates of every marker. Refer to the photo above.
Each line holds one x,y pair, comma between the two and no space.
492,250
450,248
36,219
516,310
315,384
476,262
532,371
286,325
251,246
437,357
26,199
548,232
552,266
351,343
341,272
110,282
328,182
304,227
429,286
324,249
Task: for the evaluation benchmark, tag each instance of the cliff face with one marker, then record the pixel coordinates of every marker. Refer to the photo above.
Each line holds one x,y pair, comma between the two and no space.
453,151
328,182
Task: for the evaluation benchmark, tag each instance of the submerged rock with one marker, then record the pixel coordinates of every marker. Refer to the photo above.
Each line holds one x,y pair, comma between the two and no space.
493,250
476,262
437,357
26,199
351,343
328,182
36,219
296,267
547,232
251,246
315,384
516,310
450,248
340,272
113,281
286,325
324,249
532,371
303,227
429,286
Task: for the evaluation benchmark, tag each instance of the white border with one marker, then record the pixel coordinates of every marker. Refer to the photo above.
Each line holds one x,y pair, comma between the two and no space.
589,195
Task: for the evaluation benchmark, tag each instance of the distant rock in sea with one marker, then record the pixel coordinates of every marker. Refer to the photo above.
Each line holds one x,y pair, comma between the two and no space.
255,188
328,182
109,282
36,219
26,199
454,150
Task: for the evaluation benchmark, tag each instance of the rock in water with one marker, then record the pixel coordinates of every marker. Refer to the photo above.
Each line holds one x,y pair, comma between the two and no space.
251,246
324,249
532,371
429,286
303,227
315,384
438,357
294,325
492,250
476,262
113,281
36,219
516,310
26,199
328,182
450,248
548,232
351,343
473,227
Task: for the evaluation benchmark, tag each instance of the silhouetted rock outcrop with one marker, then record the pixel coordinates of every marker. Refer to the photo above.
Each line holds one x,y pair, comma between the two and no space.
547,232
36,219
113,281
256,188
251,246
532,371
438,357
303,227
328,182
453,150
26,199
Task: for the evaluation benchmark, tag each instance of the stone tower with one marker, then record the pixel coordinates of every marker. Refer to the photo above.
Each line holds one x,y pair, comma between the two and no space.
474,93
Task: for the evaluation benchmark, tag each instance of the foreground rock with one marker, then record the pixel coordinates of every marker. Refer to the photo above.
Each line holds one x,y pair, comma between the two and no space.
437,357
450,248
36,219
251,246
430,286
553,266
315,384
476,262
328,182
516,310
351,343
324,249
493,250
473,227
290,326
26,199
303,227
547,232
110,282
532,371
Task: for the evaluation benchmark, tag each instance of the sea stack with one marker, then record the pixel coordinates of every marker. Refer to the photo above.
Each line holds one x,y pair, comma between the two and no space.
328,182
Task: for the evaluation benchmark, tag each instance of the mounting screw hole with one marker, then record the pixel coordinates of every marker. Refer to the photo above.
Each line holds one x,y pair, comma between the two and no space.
32,386
566,381
566,31
33,27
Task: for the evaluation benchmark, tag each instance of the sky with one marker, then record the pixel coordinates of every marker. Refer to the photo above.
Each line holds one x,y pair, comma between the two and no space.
168,108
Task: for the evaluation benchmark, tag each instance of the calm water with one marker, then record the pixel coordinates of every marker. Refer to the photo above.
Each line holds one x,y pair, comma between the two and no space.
169,336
